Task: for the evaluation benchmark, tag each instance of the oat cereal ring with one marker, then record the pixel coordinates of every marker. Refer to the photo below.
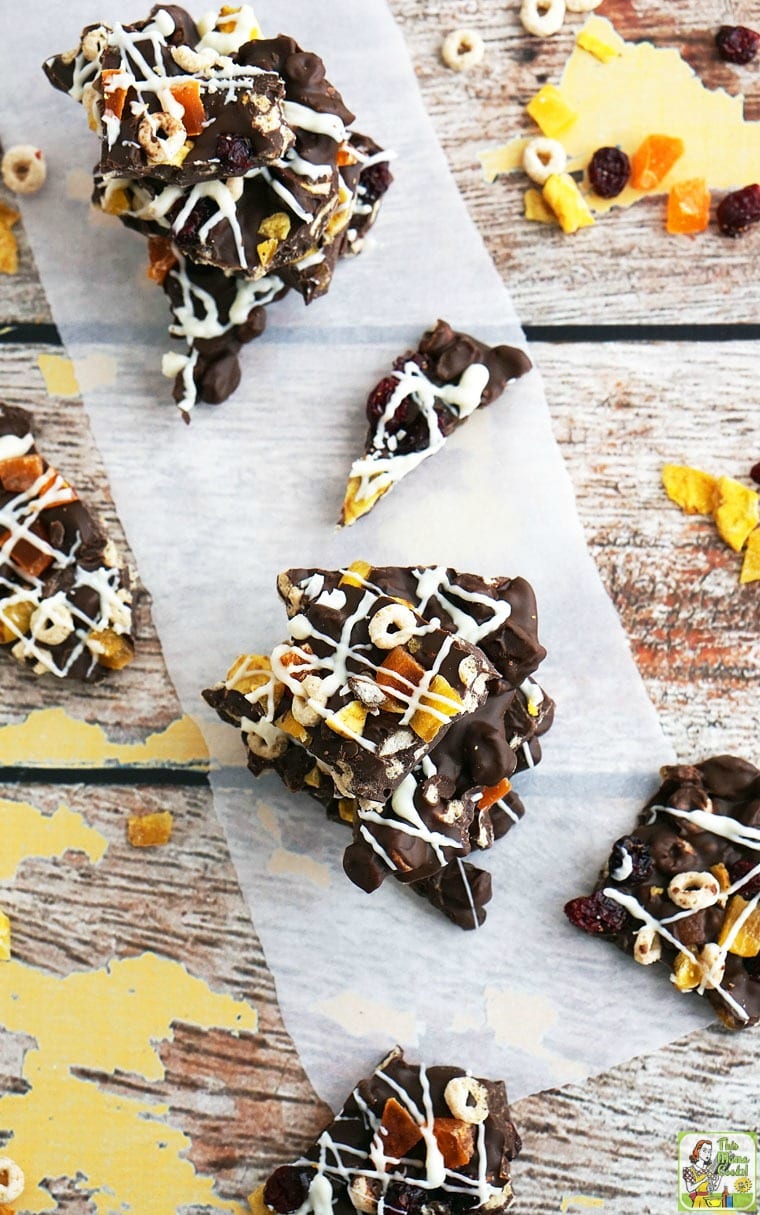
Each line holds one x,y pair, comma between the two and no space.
23,169
647,947
392,626
462,50
467,1099
266,740
542,17
694,890
11,1180
52,622
542,157
581,6
161,149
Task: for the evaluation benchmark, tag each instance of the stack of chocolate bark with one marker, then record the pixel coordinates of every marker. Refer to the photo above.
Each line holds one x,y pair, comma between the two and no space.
404,703
232,154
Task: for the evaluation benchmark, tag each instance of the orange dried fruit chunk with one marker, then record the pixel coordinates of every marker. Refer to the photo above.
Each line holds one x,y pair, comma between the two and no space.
690,488
439,702
349,721
399,673
721,873
456,1141
688,207
494,793
744,942
293,728
161,257
113,96
150,830
654,159
356,574
19,472
113,650
398,1130
188,94
29,559
15,619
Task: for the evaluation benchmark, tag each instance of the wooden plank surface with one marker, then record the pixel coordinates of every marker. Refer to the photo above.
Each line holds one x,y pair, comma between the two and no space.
626,269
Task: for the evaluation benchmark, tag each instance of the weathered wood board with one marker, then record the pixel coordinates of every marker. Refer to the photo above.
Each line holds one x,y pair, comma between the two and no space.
626,269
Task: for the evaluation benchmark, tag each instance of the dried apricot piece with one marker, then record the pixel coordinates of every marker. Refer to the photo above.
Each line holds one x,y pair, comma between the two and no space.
161,258
688,207
20,472
551,112
398,1130
150,830
188,94
440,701
493,794
690,488
735,512
456,1141
113,650
743,941
113,95
654,159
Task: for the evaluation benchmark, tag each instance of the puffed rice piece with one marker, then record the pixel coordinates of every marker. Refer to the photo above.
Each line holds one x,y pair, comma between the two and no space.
463,49
23,168
11,1180
542,17
542,157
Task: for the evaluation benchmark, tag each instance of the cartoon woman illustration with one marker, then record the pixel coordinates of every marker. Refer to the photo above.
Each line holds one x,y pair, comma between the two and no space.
702,1182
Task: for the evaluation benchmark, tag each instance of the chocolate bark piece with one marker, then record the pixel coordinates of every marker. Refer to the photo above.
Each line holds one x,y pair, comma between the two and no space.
371,684
408,1136
412,411
684,887
65,603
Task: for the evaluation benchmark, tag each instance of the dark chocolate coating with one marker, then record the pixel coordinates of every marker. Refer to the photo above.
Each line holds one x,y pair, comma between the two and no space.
665,844
79,543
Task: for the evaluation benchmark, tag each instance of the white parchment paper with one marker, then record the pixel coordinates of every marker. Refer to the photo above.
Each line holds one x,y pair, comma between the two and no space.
214,510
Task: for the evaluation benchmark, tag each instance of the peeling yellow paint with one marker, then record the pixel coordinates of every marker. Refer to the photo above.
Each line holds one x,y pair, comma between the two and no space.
644,91
52,738
364,1018
26,832
106,1021
580,1200
522,1019
294,864
59,375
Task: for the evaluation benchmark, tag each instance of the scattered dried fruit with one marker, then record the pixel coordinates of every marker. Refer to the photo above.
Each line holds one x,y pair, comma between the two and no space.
23,169
688,207
608,172
739,210
736,512
456,1141
398,1130
751,565
600,40
551,112
630,860
597,914
568,204
536,209
653,160
150,830
690,488
737,43
462,50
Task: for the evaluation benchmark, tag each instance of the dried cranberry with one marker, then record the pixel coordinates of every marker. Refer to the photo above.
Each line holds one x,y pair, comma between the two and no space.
375,181
608,172
415,437
754,473
739,870
412,356
287,1188
738,210
737,44
235,153
630,853
379,398
201,212
402,1198
597,914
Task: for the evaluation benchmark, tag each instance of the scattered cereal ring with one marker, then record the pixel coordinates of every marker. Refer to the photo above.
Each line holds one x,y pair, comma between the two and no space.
542,157
23,169
542,17
11,1180
392,626
462,50
581,6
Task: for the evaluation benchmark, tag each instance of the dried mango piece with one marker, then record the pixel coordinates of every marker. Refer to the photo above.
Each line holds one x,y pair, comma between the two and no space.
568,204
249,671
493,794
362,570
736,512
688,207
686,973
5,938
721,873
400,673
8,215
600,39
347,810
690,488
751,566
15,619
150,830
113,95
653,160
266,250
744,942
276,226
349,721
439,700
188,94
293,728
551,112
8,251
113,650
536,209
